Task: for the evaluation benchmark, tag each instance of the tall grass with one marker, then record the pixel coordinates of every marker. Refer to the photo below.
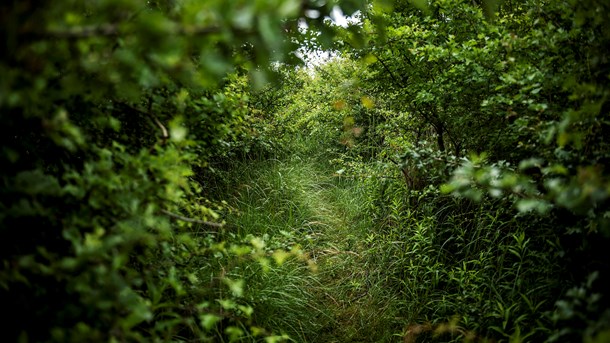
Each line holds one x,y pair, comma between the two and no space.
382,263
298,201
465,270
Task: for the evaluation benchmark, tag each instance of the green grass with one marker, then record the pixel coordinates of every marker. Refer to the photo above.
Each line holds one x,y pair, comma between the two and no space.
298,201
381,264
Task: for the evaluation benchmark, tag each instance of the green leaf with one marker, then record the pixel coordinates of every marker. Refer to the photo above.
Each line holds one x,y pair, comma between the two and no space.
227,304
247,310
276,339
528,205
209,321
177,131
280,256
234,333
236,286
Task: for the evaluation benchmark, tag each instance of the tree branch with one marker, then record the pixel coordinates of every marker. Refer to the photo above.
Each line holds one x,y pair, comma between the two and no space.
151,116
164,132
389,71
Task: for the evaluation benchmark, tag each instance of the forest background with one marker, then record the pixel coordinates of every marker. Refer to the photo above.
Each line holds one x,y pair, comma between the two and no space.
171,171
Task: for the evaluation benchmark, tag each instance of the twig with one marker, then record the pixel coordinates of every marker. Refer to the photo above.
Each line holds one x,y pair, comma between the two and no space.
148,113
164,132
163,129
191,220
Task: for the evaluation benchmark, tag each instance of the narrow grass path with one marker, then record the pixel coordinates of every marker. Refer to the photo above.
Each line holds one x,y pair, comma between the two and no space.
300,201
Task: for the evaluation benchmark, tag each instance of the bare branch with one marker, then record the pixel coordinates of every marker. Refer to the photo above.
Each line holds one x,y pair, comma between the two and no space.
165,134
163,129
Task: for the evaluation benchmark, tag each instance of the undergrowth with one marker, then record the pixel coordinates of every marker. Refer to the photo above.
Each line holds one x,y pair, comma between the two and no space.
298,202
384,263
